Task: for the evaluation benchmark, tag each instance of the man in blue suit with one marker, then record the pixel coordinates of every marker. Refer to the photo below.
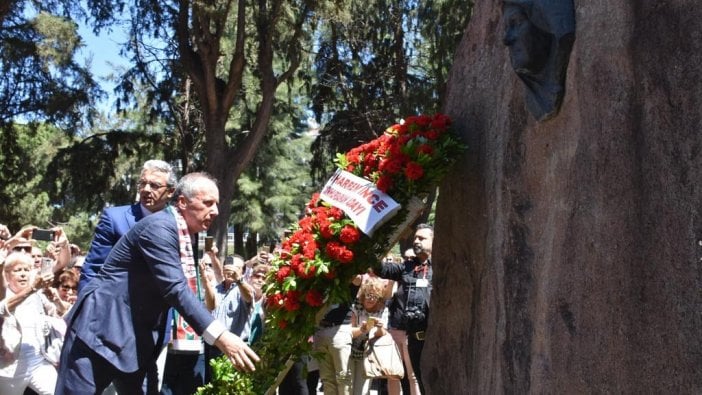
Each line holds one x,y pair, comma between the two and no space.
118,325
156,185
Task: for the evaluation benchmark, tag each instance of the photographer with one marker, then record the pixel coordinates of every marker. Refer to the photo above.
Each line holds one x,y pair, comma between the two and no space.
409,309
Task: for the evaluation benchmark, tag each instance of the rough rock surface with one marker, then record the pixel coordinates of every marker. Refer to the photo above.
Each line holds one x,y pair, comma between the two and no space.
568,253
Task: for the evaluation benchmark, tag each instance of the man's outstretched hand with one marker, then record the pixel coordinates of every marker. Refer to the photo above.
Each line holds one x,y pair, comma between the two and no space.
241,355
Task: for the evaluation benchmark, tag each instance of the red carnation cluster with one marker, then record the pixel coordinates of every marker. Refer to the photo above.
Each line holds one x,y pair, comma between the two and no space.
401,153
324,234
326,247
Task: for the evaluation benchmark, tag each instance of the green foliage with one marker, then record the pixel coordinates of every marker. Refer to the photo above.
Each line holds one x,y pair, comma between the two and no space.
40,79
100,169
275,187
25,151
226,381
391,57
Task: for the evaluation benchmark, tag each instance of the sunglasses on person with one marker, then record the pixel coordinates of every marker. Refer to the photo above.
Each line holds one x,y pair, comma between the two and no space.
22,248
68,287
371,297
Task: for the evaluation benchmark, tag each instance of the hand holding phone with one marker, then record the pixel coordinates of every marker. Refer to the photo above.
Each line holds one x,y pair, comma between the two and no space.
43,234
370,323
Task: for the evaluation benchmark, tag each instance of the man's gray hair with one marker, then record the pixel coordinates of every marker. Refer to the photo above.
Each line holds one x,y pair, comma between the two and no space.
163,167
192,183
425,226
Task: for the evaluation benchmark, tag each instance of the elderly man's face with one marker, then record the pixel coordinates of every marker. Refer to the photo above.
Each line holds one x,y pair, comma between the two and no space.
154,192
201,210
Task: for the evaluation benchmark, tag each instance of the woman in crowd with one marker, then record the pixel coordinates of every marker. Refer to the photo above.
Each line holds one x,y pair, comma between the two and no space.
369,319
64,292
256,318
26,319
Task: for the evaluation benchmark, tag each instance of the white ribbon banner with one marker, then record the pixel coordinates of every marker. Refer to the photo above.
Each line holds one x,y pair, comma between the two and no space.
365,204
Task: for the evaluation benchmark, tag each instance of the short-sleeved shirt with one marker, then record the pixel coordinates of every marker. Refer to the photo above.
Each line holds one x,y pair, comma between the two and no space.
232,310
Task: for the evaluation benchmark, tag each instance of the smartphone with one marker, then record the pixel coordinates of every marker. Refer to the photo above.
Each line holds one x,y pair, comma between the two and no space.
43,234
371,321
47,266
209,241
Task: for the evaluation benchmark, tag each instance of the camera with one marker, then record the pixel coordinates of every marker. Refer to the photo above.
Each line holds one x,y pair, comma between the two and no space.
414,318
43,234
209,242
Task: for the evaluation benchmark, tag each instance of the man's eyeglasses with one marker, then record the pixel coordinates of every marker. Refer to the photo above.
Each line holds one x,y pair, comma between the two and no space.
67,287
153,185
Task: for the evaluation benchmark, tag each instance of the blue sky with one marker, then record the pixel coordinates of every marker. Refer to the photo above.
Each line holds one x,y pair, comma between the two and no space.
103,50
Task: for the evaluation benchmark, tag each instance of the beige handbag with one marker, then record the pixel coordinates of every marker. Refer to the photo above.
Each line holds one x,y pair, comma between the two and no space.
381,359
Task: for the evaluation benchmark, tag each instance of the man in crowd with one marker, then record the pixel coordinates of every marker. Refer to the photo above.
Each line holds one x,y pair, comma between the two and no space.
118,325
230,303
409,309
156,184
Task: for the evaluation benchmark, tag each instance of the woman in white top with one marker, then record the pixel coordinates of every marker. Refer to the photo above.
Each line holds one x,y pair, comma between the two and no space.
369,319
27,316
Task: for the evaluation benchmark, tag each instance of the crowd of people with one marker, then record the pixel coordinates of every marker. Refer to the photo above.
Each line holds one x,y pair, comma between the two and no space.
140,313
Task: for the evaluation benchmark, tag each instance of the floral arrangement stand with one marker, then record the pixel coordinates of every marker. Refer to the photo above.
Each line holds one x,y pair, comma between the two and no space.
326,249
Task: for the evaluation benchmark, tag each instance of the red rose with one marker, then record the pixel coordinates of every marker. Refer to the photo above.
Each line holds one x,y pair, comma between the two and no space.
282,324
309,249
283,272
352,156
296,263
274,301
345,255
314,200
390,165
296,259
310,271
384,183
440,122
414,171
336,213
325,229
292,301
332,249
349,234
425,149
314,298
330,275
306,224
432,134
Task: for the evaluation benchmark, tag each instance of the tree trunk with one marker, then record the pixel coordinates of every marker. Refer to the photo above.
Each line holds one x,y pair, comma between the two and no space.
568,252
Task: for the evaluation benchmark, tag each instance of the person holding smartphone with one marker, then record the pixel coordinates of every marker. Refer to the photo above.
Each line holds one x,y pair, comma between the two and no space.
24,362
369,319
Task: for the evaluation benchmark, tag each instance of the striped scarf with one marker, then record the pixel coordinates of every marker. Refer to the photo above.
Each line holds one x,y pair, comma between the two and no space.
184,336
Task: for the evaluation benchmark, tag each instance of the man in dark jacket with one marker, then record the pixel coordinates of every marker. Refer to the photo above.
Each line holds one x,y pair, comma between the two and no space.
118,325
409,309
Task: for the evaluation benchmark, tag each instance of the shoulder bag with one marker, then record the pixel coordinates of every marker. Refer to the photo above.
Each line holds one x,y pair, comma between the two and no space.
382,359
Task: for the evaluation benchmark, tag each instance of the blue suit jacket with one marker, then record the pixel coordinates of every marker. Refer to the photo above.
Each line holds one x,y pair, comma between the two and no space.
122,312
114,223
